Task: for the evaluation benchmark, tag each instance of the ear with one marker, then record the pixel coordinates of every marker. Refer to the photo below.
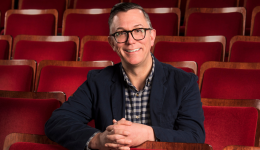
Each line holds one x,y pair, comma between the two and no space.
111,42
153,36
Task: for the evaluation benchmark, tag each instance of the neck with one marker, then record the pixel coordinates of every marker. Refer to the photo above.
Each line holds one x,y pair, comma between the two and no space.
138,74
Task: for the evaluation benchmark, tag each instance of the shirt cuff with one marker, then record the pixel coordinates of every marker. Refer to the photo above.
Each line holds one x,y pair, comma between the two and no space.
86,148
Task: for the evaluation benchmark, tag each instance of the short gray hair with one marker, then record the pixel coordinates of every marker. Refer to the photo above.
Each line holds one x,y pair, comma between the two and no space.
124,7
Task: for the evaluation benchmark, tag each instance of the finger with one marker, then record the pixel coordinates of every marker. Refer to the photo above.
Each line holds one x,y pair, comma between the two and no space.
120,132
114,138
114,121
124,122
124,141
113,145
110,128
124,148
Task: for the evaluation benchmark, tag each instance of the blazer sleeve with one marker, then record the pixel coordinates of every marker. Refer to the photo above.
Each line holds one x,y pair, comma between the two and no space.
189,125
68,124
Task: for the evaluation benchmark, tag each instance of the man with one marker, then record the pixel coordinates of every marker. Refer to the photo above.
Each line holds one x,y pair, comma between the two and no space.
137,100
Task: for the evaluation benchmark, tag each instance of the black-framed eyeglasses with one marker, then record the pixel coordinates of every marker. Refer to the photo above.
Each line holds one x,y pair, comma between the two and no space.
137,34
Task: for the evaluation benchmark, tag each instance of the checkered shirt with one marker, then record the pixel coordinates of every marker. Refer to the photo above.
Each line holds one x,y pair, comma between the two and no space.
137,108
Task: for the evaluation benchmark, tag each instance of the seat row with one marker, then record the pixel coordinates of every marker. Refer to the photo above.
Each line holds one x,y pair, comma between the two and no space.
226,80
228,22
227,121
167,49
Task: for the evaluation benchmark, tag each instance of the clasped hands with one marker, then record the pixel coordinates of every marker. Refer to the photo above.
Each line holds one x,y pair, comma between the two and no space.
122,134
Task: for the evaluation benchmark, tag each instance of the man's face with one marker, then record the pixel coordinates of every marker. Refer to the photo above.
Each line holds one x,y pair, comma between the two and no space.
132,52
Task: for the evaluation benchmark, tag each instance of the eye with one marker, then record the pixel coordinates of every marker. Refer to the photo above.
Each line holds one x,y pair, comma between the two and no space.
139,30
119,33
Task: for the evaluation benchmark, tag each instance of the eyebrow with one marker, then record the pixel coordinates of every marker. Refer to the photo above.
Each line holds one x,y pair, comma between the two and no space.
134,26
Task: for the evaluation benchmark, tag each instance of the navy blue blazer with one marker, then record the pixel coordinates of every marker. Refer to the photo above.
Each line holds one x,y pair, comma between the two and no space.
175,107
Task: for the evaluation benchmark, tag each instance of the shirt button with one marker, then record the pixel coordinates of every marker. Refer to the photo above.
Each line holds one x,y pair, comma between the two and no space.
136,117
137,94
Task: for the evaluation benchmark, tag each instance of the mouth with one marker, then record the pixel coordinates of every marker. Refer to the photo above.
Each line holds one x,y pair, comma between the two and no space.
134,50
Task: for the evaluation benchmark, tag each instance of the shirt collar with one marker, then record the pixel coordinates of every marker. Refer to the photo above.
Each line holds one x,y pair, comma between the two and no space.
147,80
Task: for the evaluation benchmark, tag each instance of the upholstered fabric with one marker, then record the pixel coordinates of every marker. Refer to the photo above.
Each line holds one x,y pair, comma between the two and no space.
212,3
185,69
86,24
199,52
30,25
24,115
97,50
250,5
4,6
4,49
35,146
16,78
65,79
59,5
205,24
231,83
39,50
164,26
156,3
256,30
83,4
243,51
230,126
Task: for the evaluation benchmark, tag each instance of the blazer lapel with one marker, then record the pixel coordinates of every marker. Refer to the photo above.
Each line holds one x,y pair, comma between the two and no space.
117,95
157,93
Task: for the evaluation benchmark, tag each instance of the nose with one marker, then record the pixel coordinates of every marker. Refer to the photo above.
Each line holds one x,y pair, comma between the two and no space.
130,40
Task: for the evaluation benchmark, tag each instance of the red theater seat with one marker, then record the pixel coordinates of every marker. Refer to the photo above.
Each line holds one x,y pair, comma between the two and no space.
82,22
216,21
198,49
244,49
255,22
31,22
188,66
163,26
207,4
46,48
249,5
26,112
65,76
4,6
157,3
87,4
230,80
231,122
95,48
5,46
59,5
17,75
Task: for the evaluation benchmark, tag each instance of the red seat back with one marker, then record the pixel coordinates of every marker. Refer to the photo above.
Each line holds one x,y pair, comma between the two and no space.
17,75
23,115
83,4
59,5
216,21
250,5
46,48
244,49
230,126
96,48
5,46
31,22
169,26
65,76
4,6
230,80
255,30
197,49
157,4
